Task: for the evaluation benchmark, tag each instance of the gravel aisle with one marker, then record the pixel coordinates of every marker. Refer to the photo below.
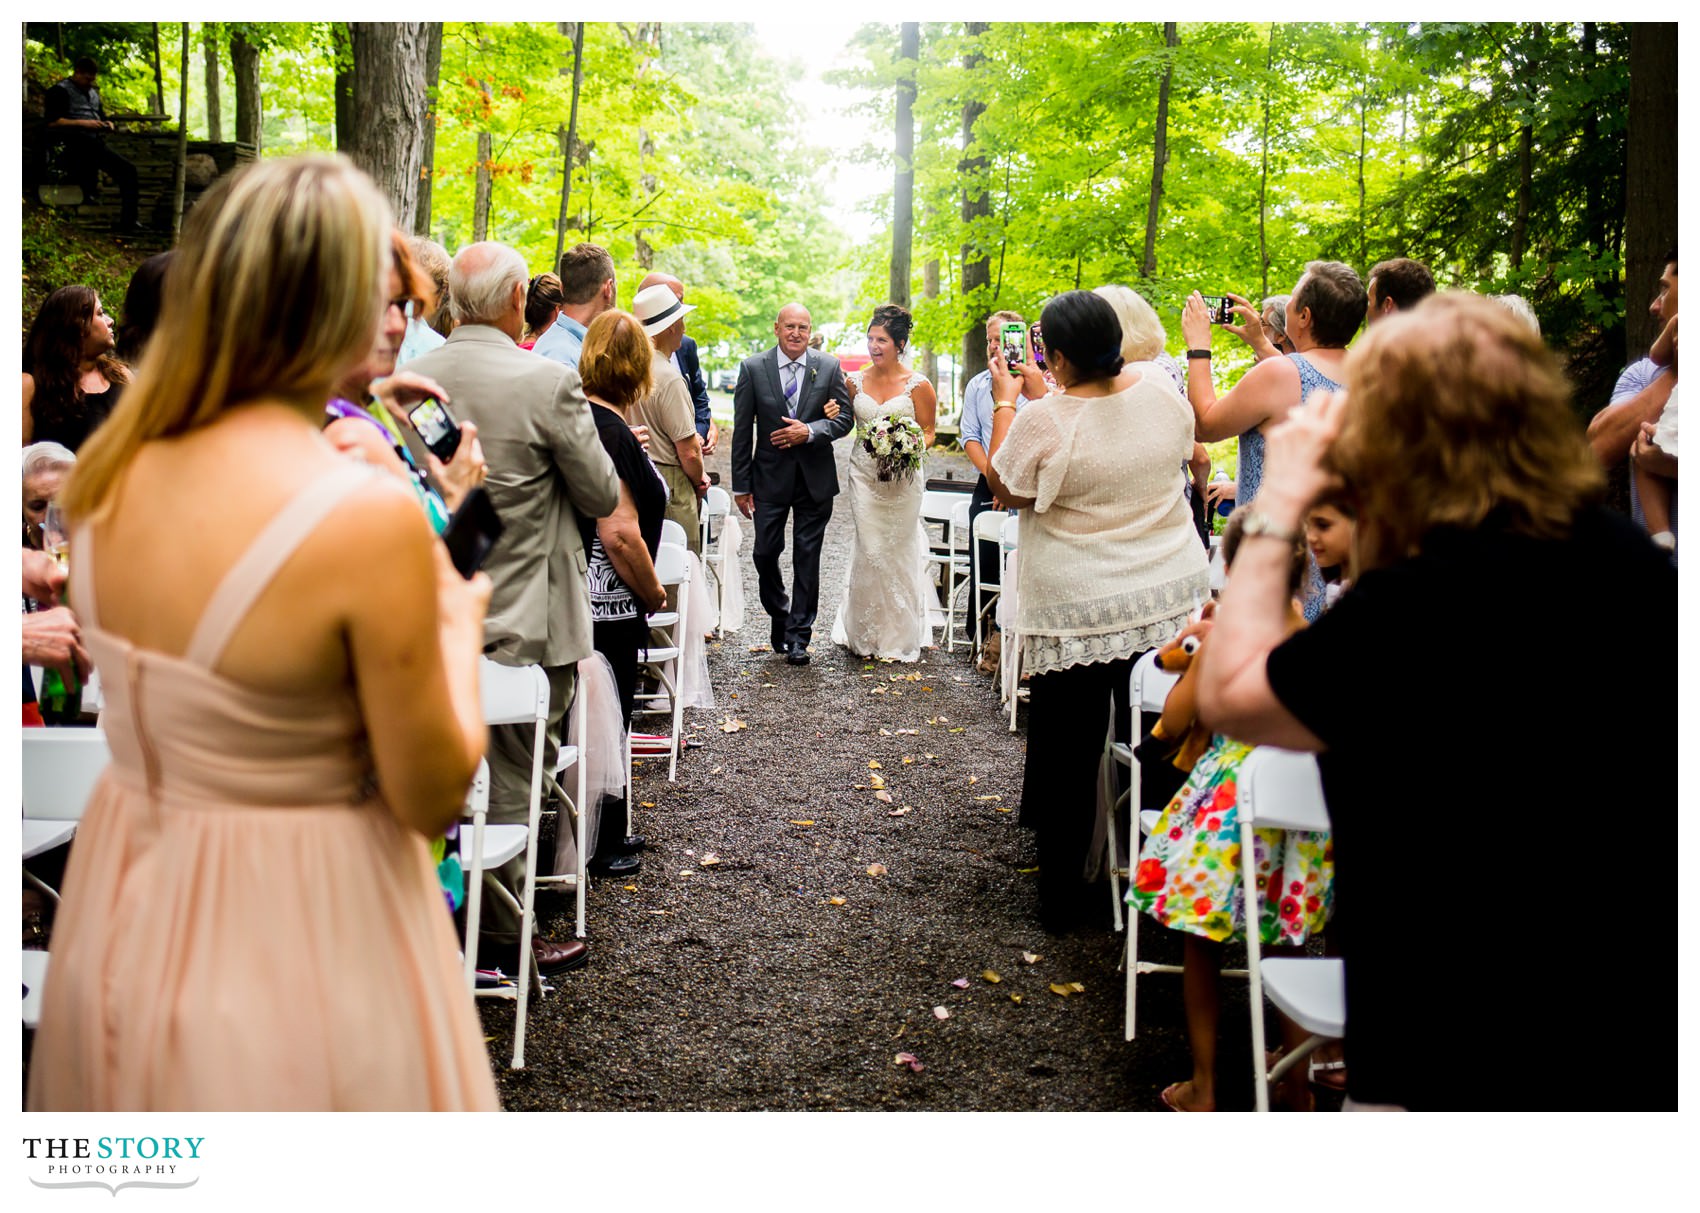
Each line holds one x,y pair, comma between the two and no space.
784,976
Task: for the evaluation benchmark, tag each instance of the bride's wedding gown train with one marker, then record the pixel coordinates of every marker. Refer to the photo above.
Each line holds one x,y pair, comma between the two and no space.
888,594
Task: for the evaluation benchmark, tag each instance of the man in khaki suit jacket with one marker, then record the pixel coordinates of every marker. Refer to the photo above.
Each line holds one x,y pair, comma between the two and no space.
547,467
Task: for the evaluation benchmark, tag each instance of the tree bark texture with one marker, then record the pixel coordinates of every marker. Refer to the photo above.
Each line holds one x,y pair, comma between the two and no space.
245,67
1159,153
903,185
158,75
215,118
1263,189
389,102
342,85
569,140
481,190
428,155
1363,147
1525,177
180,167
976,205
930,290
1649,211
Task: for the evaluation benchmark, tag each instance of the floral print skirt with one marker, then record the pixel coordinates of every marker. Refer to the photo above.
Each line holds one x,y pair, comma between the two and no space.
1188,876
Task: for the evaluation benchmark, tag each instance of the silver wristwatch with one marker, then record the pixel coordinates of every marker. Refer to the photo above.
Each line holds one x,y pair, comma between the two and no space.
1257,523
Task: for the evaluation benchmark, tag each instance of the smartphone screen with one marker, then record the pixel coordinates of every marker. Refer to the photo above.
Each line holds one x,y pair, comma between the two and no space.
1014,338
472,532
1221,309
1036,338
435,427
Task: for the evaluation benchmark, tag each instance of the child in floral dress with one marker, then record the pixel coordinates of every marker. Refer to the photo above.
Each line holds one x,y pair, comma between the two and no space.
1188,876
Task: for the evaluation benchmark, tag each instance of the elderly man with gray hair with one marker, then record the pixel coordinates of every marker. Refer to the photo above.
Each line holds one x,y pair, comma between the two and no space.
547,468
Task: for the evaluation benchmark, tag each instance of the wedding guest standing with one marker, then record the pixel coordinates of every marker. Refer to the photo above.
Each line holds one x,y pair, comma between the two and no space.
251,920
71,378
1110,565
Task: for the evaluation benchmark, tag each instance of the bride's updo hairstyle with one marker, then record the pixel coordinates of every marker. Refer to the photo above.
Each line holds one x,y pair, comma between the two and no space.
1084,329
896,321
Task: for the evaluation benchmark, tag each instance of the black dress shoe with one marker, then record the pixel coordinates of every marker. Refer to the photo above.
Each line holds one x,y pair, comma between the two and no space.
631,844
799,655
615,865
776,634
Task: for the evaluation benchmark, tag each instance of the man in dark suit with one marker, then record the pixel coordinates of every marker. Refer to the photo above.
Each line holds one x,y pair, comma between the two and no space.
782,464
685,361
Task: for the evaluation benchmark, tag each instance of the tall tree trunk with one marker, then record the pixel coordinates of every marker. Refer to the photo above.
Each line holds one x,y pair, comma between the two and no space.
649,49
342,86
1649,211
158,75
179,169
569,140
1159,153
1363,144
428,154
1263,189
903,187
245,67
976,205
1592,155
481,190
1525,174
930,290
389,97
209,48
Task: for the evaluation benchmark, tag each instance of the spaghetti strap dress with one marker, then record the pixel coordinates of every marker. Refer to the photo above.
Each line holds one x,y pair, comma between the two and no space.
245,925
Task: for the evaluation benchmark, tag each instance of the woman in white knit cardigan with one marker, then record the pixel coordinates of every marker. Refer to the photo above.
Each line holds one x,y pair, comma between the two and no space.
1110,563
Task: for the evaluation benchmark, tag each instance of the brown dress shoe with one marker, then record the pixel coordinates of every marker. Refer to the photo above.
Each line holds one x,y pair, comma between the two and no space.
554,958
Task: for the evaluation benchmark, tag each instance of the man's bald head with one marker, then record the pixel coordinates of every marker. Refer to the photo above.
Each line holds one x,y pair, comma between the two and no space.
792,328
487,285
666,280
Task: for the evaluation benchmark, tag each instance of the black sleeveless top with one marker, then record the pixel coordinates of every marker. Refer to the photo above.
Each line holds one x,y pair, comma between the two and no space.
71,426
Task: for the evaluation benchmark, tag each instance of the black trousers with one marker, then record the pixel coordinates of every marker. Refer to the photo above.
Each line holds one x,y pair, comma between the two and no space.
1066,723
983,553
85,159
619,641
794,615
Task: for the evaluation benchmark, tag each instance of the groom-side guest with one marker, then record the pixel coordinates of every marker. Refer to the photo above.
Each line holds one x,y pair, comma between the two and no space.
685,361
976,437
782,466
587,284
674,447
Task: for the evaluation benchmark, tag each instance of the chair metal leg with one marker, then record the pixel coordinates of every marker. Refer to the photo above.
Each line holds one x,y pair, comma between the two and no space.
1254,962
583,874
528,912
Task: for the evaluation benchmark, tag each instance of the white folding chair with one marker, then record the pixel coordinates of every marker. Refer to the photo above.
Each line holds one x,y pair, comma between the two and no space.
1283,789
1148,687
1009,576
715,506
510,695
568,756
665,661
988,527
952,560
673,532
60,769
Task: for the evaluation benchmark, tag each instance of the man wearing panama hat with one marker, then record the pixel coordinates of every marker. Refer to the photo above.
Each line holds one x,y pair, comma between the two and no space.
668,410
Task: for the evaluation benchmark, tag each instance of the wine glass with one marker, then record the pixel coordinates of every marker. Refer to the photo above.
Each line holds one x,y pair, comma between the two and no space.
55,536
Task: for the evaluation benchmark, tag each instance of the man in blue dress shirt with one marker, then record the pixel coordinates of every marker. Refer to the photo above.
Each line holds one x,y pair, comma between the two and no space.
587,282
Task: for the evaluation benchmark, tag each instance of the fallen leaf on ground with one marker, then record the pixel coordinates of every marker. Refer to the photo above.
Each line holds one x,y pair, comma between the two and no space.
907,761
901,1028
991,977
708,860
1060,990
898,812
795,822
630,888
734,696
932,755
1031,958
883,796
761,648
908,732
910,1060
973,779
1002,809
993,796
955,730
874,765
646,804
835,901
876,782
687,872
878,690
769,684
941,1012
1015,998
876,869
960,983
728,725
885,732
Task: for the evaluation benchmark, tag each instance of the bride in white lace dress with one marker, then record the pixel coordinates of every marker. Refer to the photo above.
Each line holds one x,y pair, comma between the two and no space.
888,595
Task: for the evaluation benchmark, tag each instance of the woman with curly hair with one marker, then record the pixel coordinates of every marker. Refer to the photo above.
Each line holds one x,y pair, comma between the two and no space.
71,378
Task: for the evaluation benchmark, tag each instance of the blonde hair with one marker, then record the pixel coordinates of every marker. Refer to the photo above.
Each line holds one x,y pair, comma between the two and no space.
1457,416
1520,308
1143,337
617,358
276,293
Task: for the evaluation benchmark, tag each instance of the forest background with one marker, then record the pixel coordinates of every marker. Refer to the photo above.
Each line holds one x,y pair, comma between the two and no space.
1025,158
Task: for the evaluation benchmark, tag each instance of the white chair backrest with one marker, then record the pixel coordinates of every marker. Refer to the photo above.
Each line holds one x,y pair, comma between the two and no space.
1282,789
672,532
61,766
718,503
938,505
512,694
959,540
1011,533
672,562
1150,684
989,525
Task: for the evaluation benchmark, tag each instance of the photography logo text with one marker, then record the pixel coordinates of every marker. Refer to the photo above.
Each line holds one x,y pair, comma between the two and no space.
113,1163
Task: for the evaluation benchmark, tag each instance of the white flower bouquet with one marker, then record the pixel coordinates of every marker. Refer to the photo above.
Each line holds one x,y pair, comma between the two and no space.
896,443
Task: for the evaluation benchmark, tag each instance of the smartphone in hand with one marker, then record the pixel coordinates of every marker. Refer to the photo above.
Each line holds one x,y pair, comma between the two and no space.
1036,342
472,532
436,427
1013,342
1220,307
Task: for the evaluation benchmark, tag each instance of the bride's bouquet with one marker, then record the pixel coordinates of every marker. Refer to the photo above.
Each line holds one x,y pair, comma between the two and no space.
896,443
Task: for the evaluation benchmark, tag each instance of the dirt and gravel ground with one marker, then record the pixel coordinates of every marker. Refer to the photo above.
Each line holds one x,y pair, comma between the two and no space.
757,964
